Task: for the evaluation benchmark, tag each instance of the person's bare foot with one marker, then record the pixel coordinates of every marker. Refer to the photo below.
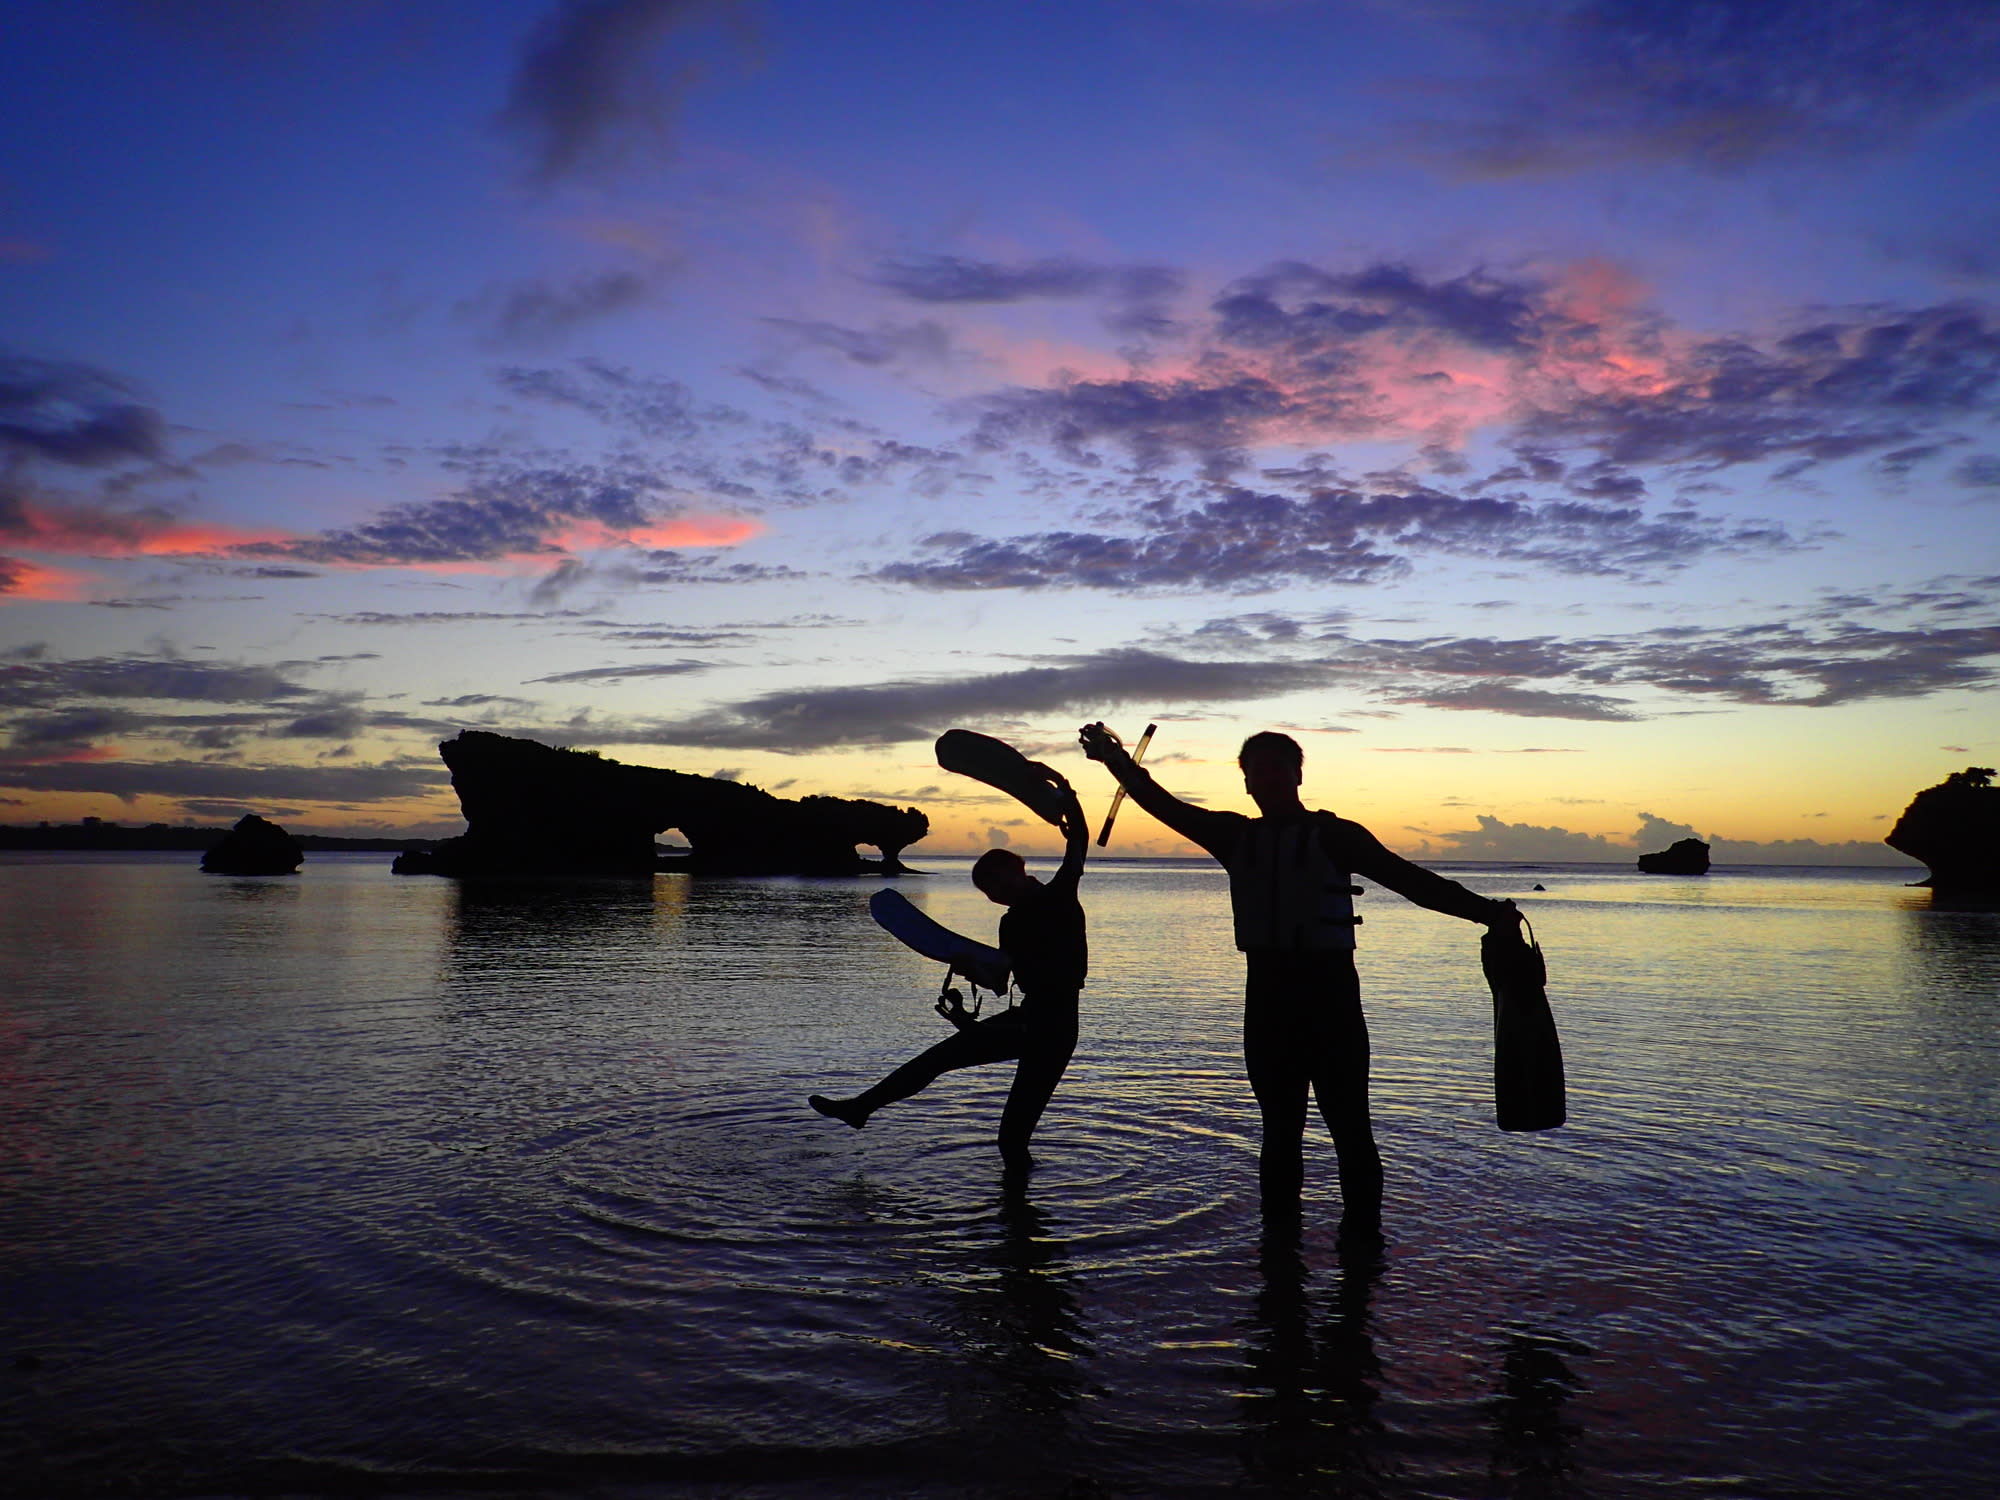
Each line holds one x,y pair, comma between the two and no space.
844,1110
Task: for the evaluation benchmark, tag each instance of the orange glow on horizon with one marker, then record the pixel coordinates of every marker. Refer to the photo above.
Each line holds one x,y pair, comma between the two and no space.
63,755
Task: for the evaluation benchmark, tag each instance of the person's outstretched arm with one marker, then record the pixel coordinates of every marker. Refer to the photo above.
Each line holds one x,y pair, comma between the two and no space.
1361,853
1198,824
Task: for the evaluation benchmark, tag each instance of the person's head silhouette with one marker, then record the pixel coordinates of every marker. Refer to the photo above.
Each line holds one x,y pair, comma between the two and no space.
1003,876
1273,765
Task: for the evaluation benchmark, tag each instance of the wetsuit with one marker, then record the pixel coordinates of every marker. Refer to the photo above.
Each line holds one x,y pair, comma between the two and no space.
1303,1030
1043,936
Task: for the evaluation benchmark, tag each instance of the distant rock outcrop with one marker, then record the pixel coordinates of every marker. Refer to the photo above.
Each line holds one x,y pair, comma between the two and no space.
534,809
1954,827
1683,857
255,846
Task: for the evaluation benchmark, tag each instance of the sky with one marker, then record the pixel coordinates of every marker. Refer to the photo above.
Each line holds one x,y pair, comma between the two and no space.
1573,420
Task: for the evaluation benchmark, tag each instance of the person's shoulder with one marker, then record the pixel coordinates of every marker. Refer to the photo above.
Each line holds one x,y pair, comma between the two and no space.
1049,896
1343,830
1223,822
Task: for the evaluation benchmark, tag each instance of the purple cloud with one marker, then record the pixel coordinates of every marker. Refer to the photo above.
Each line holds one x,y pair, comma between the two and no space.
533,313
589,82
918,709
1518,701
28,682
648,405
501,513
213,781
1245,540
635,669
887,343
73,414
1601,82
1307,311
1137,297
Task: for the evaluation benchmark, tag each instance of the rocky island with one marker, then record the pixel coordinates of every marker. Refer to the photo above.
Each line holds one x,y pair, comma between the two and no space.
1954,827
1682,857
535,809
255,846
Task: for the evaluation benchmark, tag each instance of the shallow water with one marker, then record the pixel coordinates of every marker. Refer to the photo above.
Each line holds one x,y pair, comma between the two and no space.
345,1182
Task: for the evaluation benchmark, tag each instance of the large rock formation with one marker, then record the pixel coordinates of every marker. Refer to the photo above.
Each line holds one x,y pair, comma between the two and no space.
255,846
1682,857
533,809
1954,827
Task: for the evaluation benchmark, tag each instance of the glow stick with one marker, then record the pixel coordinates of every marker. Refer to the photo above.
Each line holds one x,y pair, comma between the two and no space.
1118,797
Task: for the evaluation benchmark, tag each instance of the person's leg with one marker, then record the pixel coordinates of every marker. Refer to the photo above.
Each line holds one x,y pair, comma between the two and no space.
992,1040
1338,1053
1050,1040
1274,1058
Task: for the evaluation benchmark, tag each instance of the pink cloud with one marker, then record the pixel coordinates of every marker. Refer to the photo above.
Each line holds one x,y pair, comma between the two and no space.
1377,355
1035,359
22,582
681,531
85,531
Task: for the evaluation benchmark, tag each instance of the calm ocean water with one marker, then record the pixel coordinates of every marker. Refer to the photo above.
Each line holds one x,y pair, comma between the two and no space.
349,1183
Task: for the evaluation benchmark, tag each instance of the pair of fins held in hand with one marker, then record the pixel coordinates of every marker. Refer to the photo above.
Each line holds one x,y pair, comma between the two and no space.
1006,769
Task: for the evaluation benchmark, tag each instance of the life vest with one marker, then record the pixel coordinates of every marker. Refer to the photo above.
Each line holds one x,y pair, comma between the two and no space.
1285,891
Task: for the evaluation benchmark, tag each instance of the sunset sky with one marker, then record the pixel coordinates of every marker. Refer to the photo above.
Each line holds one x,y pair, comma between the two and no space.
1575,421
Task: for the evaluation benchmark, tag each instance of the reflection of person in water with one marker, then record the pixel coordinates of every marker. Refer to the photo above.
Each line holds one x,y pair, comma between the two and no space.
1534,1432
1312,1395
1043,935
1303,1031
1035,1329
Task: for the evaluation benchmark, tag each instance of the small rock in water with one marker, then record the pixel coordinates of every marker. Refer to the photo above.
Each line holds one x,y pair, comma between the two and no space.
255,846
1682,857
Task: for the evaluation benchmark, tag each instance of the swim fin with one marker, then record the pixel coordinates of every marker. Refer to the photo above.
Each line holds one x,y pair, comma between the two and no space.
1002,767
1528,1088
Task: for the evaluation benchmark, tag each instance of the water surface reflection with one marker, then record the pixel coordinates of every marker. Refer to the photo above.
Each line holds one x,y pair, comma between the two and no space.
1314,1380
1534,1429
1015,1318
388,1186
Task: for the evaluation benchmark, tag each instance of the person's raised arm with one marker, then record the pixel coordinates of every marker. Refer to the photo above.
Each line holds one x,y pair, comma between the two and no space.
1076,832
1361,853
1190,822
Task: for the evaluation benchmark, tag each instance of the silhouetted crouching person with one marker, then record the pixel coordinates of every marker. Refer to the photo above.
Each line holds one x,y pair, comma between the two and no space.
1303,1030
1043,934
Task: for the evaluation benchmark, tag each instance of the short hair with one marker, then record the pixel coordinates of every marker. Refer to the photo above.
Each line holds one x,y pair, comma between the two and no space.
1270,742
992,862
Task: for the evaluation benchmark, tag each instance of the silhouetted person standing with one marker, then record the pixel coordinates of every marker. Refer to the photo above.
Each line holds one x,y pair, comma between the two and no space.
1289,872
1043,937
